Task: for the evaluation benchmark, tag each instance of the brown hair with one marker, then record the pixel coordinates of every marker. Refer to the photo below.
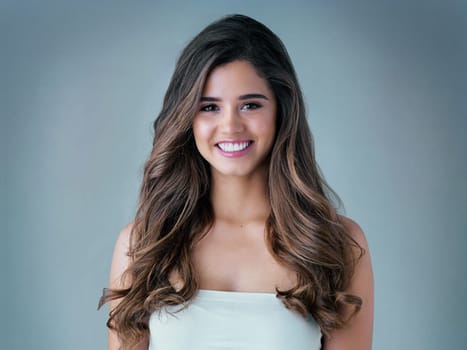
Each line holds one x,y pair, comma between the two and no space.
303,229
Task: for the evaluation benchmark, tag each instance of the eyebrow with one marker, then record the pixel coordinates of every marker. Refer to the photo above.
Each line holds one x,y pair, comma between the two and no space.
242,97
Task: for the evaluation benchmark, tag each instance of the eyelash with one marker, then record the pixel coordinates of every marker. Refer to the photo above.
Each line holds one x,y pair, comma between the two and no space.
212,107
209,108
253,105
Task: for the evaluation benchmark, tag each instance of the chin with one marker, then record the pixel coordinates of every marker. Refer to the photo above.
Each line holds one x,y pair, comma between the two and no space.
234,173
238,171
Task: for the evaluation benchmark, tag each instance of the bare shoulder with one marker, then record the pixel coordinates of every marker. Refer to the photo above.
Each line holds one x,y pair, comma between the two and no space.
355,231
357,334
118,280
124,236
120,259
123,241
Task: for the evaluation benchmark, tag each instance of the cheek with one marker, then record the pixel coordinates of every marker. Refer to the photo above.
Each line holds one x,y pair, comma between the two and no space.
266,127
201,130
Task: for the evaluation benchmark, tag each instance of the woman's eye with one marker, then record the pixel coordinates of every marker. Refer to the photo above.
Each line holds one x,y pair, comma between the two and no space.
251,105
208,108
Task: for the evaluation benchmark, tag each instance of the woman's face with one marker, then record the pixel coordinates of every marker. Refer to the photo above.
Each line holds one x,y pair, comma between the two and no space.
235,125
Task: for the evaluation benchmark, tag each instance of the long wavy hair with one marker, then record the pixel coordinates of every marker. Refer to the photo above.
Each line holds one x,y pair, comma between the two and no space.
303,230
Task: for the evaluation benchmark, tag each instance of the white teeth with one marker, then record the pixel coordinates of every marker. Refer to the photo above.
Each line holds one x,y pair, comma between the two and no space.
233,147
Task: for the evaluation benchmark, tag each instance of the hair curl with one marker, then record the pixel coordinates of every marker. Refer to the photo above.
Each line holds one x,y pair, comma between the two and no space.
304,231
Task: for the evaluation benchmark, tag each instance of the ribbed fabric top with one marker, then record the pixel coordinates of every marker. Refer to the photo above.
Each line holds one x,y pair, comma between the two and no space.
233,320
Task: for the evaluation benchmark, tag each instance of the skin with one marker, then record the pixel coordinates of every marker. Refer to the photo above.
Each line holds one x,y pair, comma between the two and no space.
226,255
120,262
233,256
237,105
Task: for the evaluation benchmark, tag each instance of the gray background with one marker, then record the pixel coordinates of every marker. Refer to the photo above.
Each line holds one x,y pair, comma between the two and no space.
385,85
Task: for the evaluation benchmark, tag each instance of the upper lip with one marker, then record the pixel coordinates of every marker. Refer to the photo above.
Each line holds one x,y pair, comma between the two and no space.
233,141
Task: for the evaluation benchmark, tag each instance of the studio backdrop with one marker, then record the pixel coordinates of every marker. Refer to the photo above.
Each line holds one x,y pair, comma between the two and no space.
82,81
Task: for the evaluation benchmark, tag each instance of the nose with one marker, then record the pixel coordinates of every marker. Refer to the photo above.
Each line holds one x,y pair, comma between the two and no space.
230,121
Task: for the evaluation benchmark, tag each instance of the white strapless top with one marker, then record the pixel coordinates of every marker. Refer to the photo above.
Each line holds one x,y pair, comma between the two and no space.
233,320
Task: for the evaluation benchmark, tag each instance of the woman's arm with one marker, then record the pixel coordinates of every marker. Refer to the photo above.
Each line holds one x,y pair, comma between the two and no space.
357,334
120,261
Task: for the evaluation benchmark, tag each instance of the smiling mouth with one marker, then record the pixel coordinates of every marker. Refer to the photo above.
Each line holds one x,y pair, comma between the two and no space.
234,146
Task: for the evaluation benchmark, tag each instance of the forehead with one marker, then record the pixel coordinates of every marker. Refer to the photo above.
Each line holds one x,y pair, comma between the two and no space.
235,78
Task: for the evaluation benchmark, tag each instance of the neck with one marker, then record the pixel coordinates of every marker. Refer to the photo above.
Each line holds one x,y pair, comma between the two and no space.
240,200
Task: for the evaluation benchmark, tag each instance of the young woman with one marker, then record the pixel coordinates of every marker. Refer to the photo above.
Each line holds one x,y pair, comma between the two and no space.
235,243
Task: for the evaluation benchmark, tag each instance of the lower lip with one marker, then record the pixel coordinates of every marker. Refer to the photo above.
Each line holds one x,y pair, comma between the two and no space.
235,154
